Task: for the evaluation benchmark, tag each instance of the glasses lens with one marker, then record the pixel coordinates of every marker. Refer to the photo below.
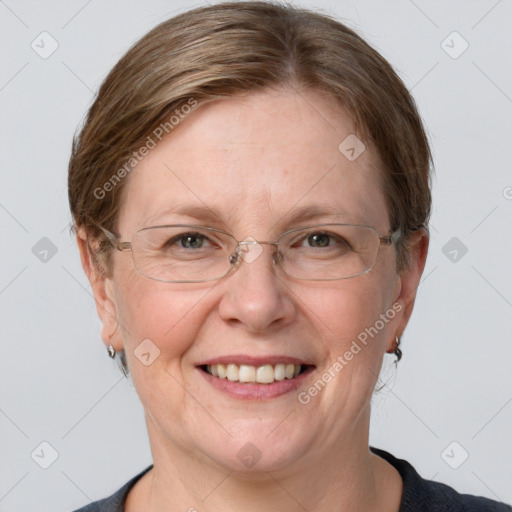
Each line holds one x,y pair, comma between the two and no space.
187,253
329,251
182,253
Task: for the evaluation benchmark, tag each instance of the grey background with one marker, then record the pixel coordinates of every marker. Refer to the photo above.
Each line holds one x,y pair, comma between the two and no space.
58,386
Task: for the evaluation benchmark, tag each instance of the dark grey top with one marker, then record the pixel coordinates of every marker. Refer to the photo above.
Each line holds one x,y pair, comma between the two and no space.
419,495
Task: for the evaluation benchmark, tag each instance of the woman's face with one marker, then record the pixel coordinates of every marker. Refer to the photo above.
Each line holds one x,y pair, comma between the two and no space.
256,162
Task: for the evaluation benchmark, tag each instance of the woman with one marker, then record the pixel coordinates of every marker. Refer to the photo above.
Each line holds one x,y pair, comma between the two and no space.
251,196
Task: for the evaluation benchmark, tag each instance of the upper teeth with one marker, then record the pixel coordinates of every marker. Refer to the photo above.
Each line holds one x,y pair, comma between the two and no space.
265,374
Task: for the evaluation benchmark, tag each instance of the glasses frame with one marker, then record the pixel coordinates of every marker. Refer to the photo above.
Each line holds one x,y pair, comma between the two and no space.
385,240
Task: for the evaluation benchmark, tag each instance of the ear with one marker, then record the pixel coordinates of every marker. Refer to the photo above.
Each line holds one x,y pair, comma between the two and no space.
103,292
408,280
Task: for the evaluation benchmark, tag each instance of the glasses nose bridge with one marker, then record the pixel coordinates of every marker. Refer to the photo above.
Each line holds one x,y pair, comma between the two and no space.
256,242
237,256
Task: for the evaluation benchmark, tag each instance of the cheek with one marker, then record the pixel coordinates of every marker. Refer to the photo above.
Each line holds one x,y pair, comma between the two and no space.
355,319
349,308
168,315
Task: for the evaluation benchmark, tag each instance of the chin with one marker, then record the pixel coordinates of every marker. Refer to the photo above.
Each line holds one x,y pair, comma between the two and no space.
259,450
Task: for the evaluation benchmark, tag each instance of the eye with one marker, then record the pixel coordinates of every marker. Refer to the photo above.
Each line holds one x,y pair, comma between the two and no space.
320,243
193,240
318,239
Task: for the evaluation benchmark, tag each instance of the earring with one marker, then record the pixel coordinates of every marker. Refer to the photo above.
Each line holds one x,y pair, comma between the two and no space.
111,351
397,351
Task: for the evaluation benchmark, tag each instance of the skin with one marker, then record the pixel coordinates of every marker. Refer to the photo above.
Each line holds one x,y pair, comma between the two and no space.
255,160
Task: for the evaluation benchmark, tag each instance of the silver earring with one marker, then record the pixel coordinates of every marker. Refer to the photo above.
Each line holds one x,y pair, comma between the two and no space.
397,351
111,351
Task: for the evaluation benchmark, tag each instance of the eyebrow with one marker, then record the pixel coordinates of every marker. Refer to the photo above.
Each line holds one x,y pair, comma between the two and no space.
313,212
293,216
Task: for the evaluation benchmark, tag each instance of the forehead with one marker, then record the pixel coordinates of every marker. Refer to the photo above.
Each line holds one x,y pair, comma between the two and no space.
254,162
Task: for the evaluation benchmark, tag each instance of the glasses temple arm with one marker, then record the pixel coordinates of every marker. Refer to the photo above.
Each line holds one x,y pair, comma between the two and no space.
112,238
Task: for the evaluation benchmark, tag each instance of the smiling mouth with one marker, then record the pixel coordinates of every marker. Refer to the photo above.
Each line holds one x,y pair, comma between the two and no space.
262,374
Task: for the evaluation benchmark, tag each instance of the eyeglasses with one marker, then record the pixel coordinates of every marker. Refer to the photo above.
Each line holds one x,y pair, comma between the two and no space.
182,253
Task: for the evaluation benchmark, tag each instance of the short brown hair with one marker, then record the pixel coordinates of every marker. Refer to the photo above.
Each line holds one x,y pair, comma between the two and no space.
231,48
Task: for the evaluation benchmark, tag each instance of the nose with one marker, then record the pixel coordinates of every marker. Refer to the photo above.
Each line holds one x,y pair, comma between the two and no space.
255,295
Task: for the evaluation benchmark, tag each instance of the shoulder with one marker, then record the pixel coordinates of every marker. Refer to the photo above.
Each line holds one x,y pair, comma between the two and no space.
115,502
430,496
